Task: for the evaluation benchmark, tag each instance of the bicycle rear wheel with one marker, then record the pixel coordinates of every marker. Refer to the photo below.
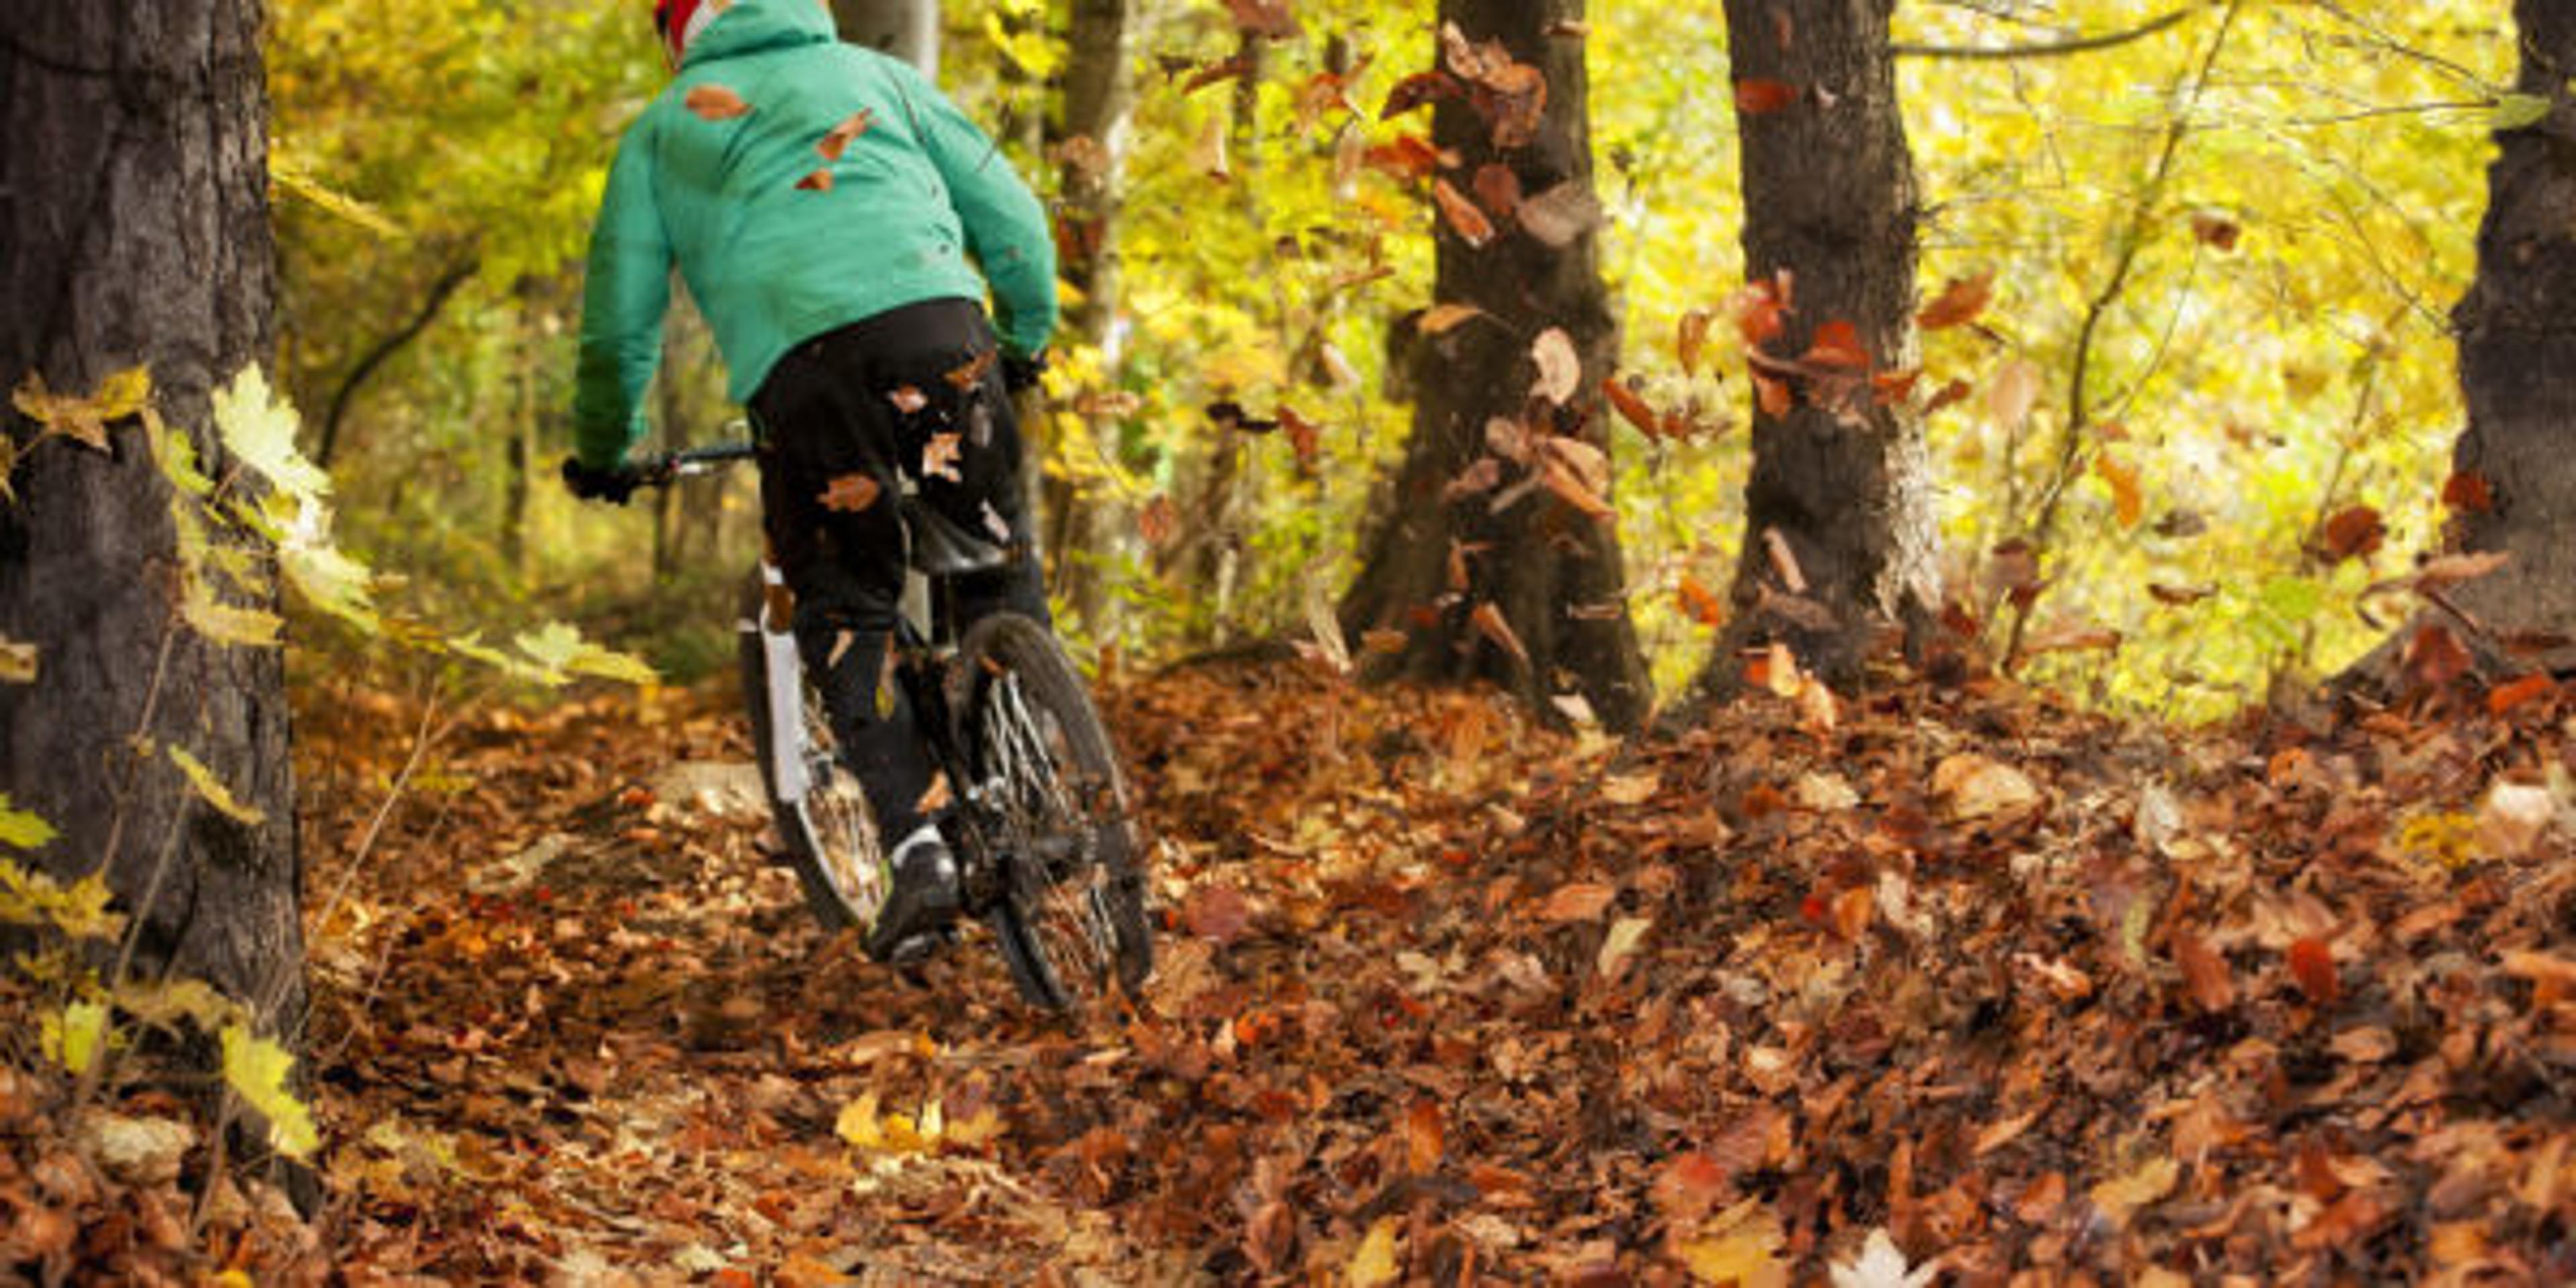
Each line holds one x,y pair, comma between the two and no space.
1072,921
821,814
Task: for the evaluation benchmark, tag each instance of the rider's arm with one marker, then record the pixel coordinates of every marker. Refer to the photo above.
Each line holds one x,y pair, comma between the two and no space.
1006,228
627,289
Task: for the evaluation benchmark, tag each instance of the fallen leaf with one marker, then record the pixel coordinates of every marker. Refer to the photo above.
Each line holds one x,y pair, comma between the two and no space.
1374,1265
1882,1265
1216,913
1625,935
2120,1198
1422,1137
1974,787
1577,901
2312,966
2511,819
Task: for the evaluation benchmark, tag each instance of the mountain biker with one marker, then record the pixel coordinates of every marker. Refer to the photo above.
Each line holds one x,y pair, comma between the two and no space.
829,211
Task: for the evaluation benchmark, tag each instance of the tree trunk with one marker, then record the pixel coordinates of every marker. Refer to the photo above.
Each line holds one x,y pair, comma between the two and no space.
2518,375
1839,477
134,230
907,29
1092,136
1445,566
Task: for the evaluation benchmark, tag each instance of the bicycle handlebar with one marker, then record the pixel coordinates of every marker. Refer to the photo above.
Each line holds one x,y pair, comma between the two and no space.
670,467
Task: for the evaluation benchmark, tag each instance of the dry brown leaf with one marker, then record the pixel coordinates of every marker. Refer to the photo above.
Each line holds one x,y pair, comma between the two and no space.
714,102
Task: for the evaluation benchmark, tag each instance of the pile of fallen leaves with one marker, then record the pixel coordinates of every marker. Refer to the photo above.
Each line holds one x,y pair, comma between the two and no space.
1951,982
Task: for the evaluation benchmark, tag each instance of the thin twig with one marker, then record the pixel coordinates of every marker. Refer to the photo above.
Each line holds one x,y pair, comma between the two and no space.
2048,48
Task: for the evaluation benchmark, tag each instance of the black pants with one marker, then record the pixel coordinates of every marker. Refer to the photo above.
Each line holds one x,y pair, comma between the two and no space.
912,393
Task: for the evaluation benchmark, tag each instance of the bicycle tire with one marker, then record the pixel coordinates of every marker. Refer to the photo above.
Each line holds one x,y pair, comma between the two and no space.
1071,923
822,814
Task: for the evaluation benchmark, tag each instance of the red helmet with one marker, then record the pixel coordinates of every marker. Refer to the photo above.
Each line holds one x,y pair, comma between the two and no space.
677,21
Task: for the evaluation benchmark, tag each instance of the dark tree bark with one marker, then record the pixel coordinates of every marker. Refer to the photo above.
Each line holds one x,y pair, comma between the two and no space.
134,230
907,29
2518,374
1544,568
1840,477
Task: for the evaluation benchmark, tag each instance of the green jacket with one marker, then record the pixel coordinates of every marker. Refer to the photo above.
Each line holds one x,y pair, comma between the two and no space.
779,244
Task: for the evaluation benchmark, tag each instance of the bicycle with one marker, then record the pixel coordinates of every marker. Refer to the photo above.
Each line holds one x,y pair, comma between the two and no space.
1036,809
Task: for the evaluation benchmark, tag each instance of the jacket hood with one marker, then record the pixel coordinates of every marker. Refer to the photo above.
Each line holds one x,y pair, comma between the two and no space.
749,26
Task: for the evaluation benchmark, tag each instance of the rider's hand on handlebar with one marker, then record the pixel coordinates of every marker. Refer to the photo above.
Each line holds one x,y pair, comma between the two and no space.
1021,374
613,485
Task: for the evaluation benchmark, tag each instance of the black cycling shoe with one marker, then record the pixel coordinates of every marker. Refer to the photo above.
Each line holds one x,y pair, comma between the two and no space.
922,903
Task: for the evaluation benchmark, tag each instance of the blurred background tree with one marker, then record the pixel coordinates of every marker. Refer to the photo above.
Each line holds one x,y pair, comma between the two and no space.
2215,248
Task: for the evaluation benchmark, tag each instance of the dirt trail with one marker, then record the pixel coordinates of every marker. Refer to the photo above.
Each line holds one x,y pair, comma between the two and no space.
1444,997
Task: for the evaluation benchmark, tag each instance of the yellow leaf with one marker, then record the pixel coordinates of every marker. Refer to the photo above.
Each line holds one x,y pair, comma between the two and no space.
32,898
20,829
214,792
560,651
119,396
257,1070
76,1036
1442,317
1739,1246
223,623
259,427
1374,1264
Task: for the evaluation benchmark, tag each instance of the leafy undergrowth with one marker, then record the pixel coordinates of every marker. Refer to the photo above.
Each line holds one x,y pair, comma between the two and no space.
1960,988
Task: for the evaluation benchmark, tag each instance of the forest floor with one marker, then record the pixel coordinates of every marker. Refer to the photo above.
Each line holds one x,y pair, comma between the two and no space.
1445,998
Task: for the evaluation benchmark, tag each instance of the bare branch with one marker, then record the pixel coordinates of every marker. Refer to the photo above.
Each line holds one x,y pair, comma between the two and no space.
2051,48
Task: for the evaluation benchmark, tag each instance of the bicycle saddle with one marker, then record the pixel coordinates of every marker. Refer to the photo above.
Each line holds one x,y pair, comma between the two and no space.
942,548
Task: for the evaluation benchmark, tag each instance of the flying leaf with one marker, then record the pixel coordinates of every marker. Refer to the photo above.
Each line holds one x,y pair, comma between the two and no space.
2354,532
17,661
1269,18
714,102
77,1035
1688,337
972,373
1158,521
939,457
20,829
2012,395
1762,97
2518,111
222,622
213,791
1461,214
816,181
1632,407
850,493
1488,621
1497,189
2215,231
2204,971
1305,438
838,140
1959,302
256,1069
1418,89
1701,604
1838,344
2468,490
1559,215
559,651
259,428
1442,317
1560,369
2126,500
